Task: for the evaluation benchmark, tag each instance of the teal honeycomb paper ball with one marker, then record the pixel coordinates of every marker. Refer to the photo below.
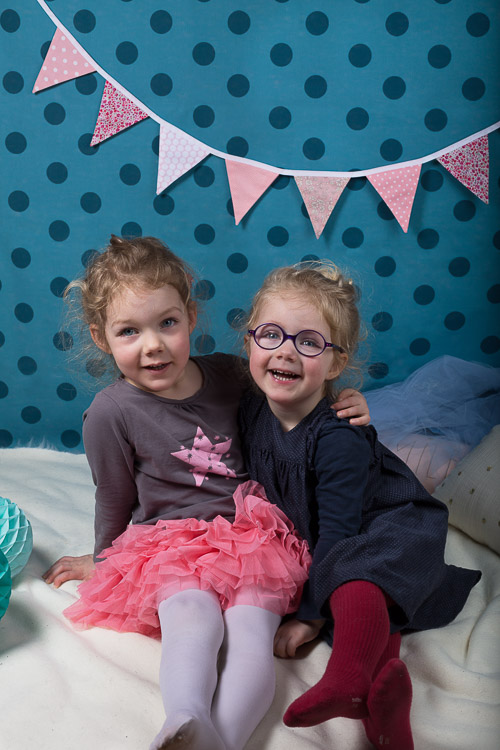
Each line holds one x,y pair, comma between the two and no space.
16,536
5,584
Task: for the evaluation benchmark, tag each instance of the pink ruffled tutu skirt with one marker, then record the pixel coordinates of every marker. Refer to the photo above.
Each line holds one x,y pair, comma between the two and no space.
258,559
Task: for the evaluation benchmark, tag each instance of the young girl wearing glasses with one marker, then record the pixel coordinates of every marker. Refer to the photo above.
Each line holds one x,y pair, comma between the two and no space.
376,535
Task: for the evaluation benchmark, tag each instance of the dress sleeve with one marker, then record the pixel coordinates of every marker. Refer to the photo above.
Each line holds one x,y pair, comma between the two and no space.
341,462
111,461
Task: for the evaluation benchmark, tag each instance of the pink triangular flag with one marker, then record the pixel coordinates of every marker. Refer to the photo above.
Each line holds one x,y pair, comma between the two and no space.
116,113
320,195
470,165
397,187
63,62
247,183
177,155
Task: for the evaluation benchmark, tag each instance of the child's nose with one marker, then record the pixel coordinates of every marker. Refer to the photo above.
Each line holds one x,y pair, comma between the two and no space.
152,342
287,348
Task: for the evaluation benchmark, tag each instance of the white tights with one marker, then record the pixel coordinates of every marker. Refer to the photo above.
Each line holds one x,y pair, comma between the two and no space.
195,633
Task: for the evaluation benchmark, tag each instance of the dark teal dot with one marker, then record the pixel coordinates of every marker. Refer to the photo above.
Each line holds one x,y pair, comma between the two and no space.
431,180
391,149
454,321
2,338
21,257
66,392
58,285
230,208
161,21
238,85
26,365
203,53
84,145
54,113
204,234
84,21
439,56
313,148
424,295
473,89
31,414
155,145
95,368
204,344
63,341
435,120
238,22
478,24
237,146
127,53
10,21
90,203
357,118
490,344
459,267
385,266
464,210
161,84
13,82
237,263
280,117
163,204
353,237
204,176
86,85
131,229
277,236
281,54
15,143
309,256
59,231
360,55
493,294
428,238
384,211
419,347
130,174
382,321
45,48
6,439
57,172
204,116
378,370
394,87
304,211
70,438
397,24
315,87
4,389
204,290
18,201
281,182
23,312
236,318
317,23
496,240
88,256
356,183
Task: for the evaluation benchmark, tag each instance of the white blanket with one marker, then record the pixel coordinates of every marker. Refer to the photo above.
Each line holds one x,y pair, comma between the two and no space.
66,690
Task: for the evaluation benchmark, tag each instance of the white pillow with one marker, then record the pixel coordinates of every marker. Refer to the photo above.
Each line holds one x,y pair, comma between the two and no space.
472,492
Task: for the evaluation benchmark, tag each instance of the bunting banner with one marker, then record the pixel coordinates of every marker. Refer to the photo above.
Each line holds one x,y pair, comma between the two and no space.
466,160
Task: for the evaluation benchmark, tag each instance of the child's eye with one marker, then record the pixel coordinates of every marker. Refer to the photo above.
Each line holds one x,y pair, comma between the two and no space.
127,332
168,323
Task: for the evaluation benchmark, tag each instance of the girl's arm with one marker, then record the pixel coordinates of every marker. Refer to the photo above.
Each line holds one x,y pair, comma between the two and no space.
352,405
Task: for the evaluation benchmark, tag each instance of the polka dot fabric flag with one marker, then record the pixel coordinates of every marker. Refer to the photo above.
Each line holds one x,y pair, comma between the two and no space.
302,90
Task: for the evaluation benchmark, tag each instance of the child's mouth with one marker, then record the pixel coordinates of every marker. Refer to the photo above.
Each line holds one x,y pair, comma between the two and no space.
285,377
156,368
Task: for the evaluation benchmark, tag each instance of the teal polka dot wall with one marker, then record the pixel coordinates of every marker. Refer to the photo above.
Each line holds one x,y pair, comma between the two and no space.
294,84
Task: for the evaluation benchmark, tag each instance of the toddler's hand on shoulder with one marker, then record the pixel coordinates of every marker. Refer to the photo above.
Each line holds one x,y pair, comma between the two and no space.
294,633
352,405
70,569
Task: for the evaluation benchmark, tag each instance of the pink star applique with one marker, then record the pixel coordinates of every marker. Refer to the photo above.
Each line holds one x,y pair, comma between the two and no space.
205,457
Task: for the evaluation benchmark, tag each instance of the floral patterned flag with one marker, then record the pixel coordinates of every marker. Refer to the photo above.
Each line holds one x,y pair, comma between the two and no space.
63,62
470,165
115,114
397,187
177,155
320,196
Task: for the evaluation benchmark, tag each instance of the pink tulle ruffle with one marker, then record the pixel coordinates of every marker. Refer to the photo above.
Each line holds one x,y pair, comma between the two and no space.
258,560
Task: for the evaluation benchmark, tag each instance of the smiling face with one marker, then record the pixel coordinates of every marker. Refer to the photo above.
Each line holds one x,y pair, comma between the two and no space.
293,384
147,333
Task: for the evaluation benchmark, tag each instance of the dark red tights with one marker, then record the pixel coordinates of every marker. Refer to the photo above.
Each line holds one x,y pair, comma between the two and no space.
364,678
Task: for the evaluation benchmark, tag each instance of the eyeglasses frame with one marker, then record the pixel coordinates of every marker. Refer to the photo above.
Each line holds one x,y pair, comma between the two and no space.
293,337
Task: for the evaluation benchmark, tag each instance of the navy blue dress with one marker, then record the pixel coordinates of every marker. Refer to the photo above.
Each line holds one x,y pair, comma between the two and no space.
362,511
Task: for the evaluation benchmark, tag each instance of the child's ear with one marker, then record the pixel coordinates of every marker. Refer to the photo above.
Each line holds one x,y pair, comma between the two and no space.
340,360
192,315
101,343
